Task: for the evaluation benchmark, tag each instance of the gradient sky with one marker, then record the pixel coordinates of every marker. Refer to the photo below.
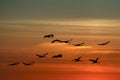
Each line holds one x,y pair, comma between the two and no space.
21,40
27,9
23,23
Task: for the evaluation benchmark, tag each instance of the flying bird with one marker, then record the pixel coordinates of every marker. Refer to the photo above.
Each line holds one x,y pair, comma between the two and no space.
56,40
13,64
28,64
57,56
81,44
105,43
77,59
66,41
61,41
41,56
49,36
94,60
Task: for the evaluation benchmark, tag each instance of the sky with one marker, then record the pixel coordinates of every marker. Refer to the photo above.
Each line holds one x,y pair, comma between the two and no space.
21,40
32,9
23,24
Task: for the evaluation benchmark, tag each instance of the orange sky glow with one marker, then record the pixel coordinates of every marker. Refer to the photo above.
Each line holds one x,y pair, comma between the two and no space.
22,40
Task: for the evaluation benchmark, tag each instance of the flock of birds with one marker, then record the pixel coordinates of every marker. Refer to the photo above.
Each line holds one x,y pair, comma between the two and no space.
60,55
69,41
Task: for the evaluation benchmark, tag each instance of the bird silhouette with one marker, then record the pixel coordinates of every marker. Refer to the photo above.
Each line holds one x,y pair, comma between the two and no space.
41,56
77,59
66,41
49,36
81,44
94,60
13,64
56,40
57,56
105,43
28,64
61,41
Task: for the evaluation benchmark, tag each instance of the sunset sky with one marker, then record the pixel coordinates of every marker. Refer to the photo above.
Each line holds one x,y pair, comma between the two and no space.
23,23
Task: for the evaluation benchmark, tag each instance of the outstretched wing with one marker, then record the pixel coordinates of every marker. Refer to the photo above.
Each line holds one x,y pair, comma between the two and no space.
91,60
45,54
96,58
38,55
105,43
12,64
56,40
79,57
46,36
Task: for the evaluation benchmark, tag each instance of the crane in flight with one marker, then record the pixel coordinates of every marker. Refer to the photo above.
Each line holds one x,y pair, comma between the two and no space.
66,41
48,36
80,44
13,64
56,40
28,64
77,59
57,56
41,56
94,60
105,43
